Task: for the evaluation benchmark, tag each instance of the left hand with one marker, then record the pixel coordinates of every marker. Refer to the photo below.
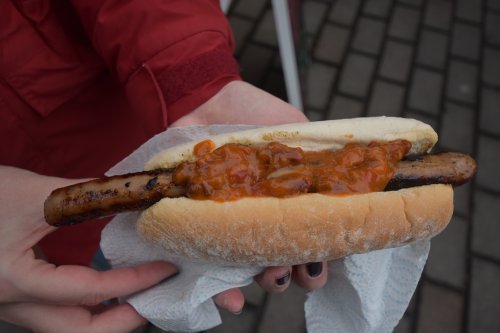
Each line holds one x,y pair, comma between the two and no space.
241,103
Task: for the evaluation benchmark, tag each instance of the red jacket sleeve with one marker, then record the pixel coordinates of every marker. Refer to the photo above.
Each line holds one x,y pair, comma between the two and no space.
176,51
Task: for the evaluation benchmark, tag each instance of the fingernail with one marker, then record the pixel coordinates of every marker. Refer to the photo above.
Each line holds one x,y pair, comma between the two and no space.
283,280
314,269
169,278
238,312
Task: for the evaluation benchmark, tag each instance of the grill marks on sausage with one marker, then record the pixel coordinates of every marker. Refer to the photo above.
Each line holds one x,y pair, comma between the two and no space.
108,196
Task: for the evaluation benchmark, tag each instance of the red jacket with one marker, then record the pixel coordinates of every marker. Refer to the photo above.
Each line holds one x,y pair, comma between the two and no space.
84,83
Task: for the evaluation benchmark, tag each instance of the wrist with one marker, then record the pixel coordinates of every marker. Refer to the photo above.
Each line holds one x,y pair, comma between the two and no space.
239,102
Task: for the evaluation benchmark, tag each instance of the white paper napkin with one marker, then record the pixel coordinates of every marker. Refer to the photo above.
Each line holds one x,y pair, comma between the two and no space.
364,293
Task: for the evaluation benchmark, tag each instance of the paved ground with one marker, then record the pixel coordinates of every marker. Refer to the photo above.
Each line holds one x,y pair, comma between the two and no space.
434,60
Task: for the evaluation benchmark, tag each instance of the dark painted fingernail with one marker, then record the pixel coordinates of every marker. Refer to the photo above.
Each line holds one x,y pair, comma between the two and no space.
283,280
314,269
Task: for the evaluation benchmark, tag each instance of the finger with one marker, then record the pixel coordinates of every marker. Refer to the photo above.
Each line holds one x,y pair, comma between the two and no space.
80,285
232,300
275,279
311,276
57,318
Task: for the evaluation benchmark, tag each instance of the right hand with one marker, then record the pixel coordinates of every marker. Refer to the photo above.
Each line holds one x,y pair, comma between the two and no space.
44,298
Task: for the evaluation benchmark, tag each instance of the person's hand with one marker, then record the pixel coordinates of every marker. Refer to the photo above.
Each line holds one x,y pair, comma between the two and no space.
44,298
241,103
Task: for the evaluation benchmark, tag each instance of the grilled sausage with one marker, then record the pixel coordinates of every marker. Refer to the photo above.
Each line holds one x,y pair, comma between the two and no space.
137,191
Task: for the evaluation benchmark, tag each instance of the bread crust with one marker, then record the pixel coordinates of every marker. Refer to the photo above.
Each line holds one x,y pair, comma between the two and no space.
295,230
267,231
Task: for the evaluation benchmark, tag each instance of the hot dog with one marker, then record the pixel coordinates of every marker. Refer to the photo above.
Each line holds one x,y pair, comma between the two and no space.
280,228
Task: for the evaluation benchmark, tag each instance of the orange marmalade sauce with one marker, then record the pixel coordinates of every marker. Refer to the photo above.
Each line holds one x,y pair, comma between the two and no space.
233,171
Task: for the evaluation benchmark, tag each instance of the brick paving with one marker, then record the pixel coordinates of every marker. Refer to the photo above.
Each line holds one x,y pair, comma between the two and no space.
433,60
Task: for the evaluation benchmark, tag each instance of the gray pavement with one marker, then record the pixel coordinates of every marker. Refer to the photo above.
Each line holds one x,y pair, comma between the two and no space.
433,60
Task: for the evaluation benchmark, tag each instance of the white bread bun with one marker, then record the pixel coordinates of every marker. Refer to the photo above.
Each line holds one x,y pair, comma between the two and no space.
266,231
305,228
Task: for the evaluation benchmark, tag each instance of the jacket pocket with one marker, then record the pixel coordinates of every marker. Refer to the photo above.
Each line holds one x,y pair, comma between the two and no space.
40,58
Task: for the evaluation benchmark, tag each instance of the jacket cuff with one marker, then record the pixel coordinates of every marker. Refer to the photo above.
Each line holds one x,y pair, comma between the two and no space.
185,75
190,84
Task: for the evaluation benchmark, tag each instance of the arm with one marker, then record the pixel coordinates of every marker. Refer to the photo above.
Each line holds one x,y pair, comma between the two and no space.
174,51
